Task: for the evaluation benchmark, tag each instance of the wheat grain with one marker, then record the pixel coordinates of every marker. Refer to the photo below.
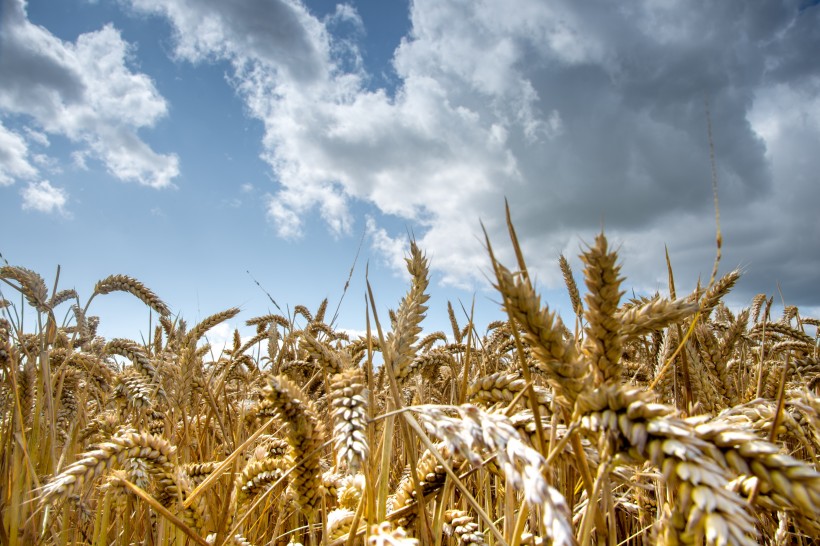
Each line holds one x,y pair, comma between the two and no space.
32,286
305,436
124,283
572,287
399,351
349,402
554,355
602,345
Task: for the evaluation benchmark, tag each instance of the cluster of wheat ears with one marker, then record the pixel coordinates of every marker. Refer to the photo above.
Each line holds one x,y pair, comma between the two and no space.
660,419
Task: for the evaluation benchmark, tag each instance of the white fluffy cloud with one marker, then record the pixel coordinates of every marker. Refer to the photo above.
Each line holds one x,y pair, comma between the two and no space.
14,162
84,91
43,197
582,114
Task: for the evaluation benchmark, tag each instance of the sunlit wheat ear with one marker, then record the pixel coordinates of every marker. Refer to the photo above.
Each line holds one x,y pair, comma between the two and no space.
652,316
68,405
463,527
134,389
399,352
572,287
62,296
32,285
257,475
715,293
339,522
154,450
704,508
124,283
209,322
476,432
554,355
139,358
350,490
329,358
430,475
602,344
349,401
504,387
783,481
385,535
305,436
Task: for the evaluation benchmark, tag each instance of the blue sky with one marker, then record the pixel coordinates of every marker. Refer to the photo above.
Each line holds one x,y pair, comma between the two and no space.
187,142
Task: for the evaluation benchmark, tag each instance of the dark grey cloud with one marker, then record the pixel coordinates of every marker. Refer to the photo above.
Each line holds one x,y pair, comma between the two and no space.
582,114
277,33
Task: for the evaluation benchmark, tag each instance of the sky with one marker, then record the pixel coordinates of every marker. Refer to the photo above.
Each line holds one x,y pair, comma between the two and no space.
205,146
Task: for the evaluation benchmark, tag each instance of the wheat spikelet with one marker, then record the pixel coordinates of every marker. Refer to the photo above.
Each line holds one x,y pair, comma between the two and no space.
430,475
139,358
350,490
462,526
782,329
197,472
209,322
399,351
692,466
477,431
256,476
789,483
427,341
716,292
451,314
349,402
654,315
602,345
124,283
32,286
572,287
305,436
329,359
62,296
129,445
68,404
554,356
503,387
134,388
263,321
383,534
339,522
704,382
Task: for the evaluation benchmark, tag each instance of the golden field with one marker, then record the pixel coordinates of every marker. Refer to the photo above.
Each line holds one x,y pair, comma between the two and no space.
667,419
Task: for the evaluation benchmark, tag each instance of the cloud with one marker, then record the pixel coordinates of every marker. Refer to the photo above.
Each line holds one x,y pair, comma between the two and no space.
14,163
582,114
43,197
84,91
279,34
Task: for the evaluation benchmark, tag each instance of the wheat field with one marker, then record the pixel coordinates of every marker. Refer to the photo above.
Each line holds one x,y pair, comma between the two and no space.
667,419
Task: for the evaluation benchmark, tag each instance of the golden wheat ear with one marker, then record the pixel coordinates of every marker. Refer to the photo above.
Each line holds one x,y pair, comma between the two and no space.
349,401
124,283
602,344
306,438
32,285
400,351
